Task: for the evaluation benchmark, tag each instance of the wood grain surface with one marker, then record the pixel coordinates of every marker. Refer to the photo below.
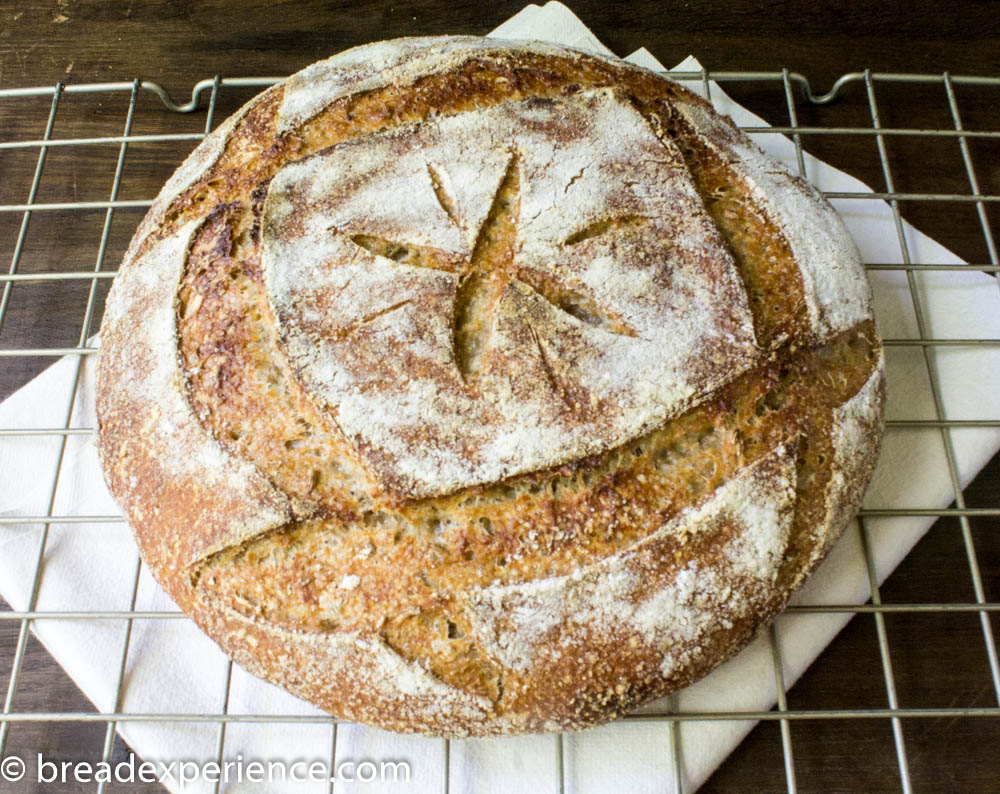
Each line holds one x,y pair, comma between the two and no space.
938,659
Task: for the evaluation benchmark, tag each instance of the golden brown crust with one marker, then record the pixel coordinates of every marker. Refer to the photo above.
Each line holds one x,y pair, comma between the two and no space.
547,595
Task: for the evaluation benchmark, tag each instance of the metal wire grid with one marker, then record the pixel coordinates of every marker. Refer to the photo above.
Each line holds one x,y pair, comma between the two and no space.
786,81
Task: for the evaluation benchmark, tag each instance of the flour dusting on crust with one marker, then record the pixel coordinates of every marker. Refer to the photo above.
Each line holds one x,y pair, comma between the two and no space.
640,549
196,165
640,593
857,430
150,438
372,339
837,293
396,62
363,662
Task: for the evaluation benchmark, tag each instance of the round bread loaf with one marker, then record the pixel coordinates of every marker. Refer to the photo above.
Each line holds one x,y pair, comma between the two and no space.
473,387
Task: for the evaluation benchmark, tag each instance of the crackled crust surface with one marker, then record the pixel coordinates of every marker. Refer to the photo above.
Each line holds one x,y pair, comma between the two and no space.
474,387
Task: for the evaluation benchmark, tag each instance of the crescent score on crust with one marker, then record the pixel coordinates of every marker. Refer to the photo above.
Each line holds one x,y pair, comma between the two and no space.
472,387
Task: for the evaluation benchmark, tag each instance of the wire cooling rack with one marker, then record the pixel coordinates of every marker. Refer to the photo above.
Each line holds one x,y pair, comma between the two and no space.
787,84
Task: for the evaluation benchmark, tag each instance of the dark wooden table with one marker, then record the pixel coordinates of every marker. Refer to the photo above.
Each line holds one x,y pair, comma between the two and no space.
938,659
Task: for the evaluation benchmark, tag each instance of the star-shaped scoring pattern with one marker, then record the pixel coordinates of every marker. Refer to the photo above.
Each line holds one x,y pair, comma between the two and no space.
487,272
500,290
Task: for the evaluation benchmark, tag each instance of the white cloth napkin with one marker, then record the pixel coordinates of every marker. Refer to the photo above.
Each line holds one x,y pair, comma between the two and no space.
171,667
